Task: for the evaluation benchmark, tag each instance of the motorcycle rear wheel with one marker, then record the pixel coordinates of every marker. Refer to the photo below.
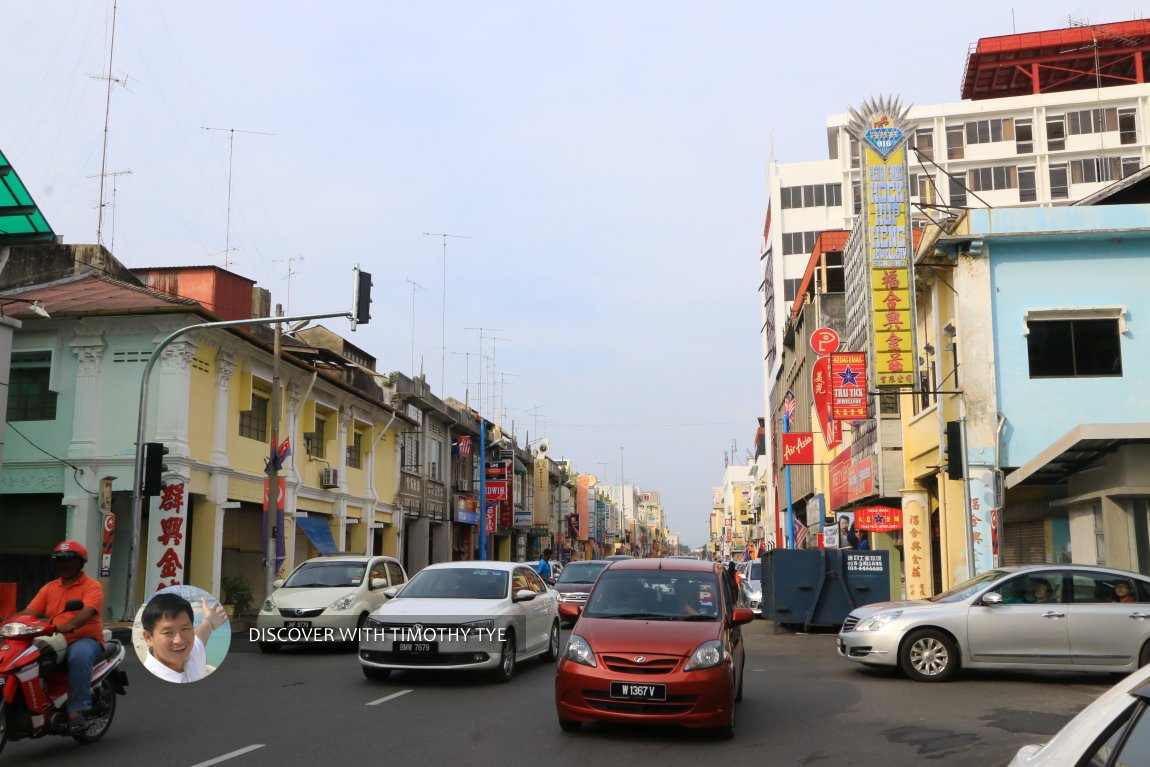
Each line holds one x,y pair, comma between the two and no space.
102,711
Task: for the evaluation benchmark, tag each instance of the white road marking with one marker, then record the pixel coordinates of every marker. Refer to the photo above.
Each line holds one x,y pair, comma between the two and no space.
385,699
232,755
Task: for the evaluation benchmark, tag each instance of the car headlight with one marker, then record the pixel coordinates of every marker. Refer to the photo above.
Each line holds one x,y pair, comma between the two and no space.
878,621
343,602
484,625
579,651
269,605
707,655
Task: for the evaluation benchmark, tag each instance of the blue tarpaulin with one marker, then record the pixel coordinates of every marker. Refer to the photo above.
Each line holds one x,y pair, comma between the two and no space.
318,532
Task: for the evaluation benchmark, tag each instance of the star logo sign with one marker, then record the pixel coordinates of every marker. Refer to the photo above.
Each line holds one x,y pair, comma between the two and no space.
849,377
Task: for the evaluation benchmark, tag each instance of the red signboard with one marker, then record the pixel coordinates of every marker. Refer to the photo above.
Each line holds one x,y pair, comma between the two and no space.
840,472
281,492
878,519
798,448
824,341
490,514
821,388
848,386
496,491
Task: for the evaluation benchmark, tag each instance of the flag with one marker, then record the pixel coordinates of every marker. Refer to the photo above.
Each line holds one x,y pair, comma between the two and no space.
800,534
282,453
464,446
789,405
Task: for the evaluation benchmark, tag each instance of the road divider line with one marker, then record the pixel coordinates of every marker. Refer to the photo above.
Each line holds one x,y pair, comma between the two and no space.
384,699
232,755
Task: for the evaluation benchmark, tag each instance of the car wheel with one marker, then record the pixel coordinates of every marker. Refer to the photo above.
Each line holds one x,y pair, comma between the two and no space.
569,725
928,656
506,668
552,644
269,647
376,674
101,713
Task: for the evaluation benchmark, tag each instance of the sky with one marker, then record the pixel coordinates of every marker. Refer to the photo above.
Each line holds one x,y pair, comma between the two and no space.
601,167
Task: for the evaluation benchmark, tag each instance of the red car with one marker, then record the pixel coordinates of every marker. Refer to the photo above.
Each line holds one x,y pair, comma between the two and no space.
658,642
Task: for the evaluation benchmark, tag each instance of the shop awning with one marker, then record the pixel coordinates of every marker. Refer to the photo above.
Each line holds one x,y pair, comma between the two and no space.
1077,449
318,532
21,221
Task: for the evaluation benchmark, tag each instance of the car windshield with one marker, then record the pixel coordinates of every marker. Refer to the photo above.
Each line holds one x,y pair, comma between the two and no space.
756,571
326,575
655,595
581,572
457,583
967,588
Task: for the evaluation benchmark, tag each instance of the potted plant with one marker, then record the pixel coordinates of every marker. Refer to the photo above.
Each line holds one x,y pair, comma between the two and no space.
237,594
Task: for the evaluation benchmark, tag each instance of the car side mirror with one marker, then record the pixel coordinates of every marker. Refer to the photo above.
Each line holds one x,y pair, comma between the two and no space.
278,583
390,592
378,583
523,595
991,599
742,615
569,610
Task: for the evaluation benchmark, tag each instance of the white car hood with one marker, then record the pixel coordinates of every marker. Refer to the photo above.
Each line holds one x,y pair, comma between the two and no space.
416,609
311,597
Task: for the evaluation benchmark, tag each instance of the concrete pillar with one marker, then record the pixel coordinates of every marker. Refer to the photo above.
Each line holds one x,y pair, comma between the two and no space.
89,351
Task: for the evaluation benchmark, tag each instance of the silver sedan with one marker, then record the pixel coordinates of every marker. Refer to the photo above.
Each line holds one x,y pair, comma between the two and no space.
1046,617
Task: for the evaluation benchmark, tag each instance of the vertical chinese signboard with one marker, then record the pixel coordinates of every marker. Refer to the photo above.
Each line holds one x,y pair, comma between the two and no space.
916,527
825,342
168,569
882,129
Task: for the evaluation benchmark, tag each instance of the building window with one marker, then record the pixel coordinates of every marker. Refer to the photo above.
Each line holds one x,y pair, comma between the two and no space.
856,197
409,451
856,153
1027,188
1127,127
355,451
1059,183
989,131
1023,137
1130,166
1074,348
435,459
29,398
254,422
799,242
1055,133
791,289
996,177
924,143
925,186
315,441
957,193
811,196
955,148
1086,121
1095,169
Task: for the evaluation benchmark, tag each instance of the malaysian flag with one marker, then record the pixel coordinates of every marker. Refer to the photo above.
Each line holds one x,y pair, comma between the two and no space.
789,405
463,446
800,534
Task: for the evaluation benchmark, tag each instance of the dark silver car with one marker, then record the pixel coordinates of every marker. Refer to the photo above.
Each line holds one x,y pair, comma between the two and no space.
1045,617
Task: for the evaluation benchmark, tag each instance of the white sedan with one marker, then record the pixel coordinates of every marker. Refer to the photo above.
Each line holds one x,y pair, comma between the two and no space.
463,615
1113,730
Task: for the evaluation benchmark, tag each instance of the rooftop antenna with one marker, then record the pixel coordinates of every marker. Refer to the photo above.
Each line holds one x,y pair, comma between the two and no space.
467,377
231,151
107,116
483,337
112,244
289,261
443,331
414,285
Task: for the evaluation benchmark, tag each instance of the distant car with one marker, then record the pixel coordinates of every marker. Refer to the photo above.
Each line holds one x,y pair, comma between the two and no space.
463,616
658,642
335,592
1042,617
1113,730
751,586
574,585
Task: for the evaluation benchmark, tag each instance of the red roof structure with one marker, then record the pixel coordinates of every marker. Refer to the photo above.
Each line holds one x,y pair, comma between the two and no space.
1086,56
93,293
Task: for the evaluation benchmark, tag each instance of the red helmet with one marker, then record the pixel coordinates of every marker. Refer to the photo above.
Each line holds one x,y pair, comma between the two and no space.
70,549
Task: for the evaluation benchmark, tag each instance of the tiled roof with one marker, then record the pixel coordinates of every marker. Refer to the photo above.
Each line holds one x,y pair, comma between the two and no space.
94,293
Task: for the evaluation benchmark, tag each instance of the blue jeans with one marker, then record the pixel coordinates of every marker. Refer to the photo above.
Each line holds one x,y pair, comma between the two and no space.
81,656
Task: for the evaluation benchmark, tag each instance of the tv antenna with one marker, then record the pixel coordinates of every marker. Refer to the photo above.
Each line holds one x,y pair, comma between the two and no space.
113,175
107,116
414,285
231,152
289,261
443,327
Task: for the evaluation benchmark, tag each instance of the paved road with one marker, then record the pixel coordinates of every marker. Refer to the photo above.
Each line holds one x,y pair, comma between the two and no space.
802,705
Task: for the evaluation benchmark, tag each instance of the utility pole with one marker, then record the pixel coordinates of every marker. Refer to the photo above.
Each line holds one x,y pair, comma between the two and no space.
107,116
273,458
482,454
231,152
443,331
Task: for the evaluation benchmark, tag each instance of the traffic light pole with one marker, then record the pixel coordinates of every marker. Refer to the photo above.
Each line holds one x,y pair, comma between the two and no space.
141,427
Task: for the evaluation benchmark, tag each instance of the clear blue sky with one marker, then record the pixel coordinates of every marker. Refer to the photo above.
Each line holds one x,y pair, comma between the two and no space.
607,159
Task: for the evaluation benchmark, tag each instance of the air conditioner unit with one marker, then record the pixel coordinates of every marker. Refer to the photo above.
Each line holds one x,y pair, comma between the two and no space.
329,478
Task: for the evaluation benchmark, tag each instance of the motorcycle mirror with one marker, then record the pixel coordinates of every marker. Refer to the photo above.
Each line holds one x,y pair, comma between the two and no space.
72,605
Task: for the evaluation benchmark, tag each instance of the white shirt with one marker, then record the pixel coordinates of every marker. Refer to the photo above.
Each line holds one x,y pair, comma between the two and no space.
193,670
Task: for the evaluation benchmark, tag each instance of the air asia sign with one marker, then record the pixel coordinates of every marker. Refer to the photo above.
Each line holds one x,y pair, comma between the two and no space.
798,448
848,386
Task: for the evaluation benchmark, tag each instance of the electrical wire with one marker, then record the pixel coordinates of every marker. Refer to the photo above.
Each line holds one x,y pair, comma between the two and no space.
76,470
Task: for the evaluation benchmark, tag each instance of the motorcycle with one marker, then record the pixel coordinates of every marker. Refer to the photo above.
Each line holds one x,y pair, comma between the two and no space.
34,681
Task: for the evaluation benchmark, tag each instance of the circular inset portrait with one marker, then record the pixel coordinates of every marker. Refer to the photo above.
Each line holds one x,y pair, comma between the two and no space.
181,634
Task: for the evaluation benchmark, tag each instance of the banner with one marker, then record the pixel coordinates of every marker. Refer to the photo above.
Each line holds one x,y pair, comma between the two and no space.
848,386
878,519
824,413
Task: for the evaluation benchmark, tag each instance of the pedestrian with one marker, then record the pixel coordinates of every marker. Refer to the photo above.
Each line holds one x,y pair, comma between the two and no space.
544,566
732,573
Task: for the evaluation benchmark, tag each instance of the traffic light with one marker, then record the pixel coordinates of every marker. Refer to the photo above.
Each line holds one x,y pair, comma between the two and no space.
154,467
362,297
954,448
